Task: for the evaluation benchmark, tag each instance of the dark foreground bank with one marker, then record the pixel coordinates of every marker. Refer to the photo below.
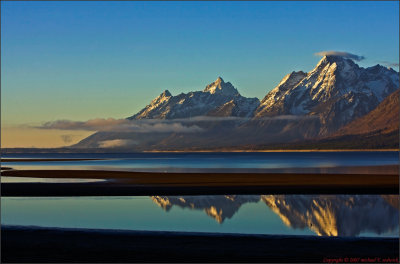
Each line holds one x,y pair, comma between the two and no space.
123,183
34,244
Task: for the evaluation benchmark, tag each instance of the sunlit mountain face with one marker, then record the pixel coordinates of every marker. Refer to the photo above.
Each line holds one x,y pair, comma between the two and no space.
325,215
303,106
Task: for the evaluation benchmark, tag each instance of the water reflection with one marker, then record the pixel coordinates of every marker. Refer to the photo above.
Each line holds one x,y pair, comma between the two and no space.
281,162
218,207
325,215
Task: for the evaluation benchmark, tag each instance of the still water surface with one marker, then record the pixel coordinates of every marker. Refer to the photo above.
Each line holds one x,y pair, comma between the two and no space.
8,179
324,215
324,162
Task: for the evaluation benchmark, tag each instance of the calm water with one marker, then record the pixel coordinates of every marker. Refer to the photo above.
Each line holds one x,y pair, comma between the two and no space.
324,162
7,179
325,215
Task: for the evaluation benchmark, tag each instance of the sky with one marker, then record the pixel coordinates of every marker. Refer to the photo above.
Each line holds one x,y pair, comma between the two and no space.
76,60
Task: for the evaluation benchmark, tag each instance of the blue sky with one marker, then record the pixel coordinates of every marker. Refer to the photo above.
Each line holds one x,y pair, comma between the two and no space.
83,60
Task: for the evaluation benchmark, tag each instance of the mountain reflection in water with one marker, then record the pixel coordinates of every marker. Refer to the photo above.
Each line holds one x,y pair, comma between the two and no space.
326,215
218,207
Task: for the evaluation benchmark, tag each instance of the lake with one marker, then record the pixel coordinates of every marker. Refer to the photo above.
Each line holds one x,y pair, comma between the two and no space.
291,162
322,215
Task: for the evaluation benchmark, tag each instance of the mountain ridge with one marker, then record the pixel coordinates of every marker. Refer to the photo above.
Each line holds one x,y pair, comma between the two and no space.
198,103
303,106
384,118
337,90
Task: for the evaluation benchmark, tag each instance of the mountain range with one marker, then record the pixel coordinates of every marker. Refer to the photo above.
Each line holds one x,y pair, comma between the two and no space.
215,97
336,99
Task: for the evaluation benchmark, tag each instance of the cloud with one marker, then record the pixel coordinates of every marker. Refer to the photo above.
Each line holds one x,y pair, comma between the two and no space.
165,127
291,117
117,143
123,125
90,125
389,64
343,54
180,125
199,119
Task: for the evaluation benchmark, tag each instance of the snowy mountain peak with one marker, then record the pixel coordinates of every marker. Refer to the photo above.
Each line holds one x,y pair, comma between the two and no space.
166,93
164,96
293,77
158,102
334,62
333,59
212,99
288,82
337,90
219,86
219,80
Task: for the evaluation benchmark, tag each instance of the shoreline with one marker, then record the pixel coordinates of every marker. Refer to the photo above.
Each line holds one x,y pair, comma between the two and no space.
44,159
272,150
124,183
108,151
41,244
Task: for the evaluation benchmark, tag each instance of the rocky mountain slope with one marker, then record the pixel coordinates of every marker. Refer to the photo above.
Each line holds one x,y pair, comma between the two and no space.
379,129
337,90
385,118
216,97
303,106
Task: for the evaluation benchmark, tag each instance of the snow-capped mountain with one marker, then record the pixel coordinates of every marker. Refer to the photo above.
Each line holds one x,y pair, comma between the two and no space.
337,90
217,97
303,106
271,101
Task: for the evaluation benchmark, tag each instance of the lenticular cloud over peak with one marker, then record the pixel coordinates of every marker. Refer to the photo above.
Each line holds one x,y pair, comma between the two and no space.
343,54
